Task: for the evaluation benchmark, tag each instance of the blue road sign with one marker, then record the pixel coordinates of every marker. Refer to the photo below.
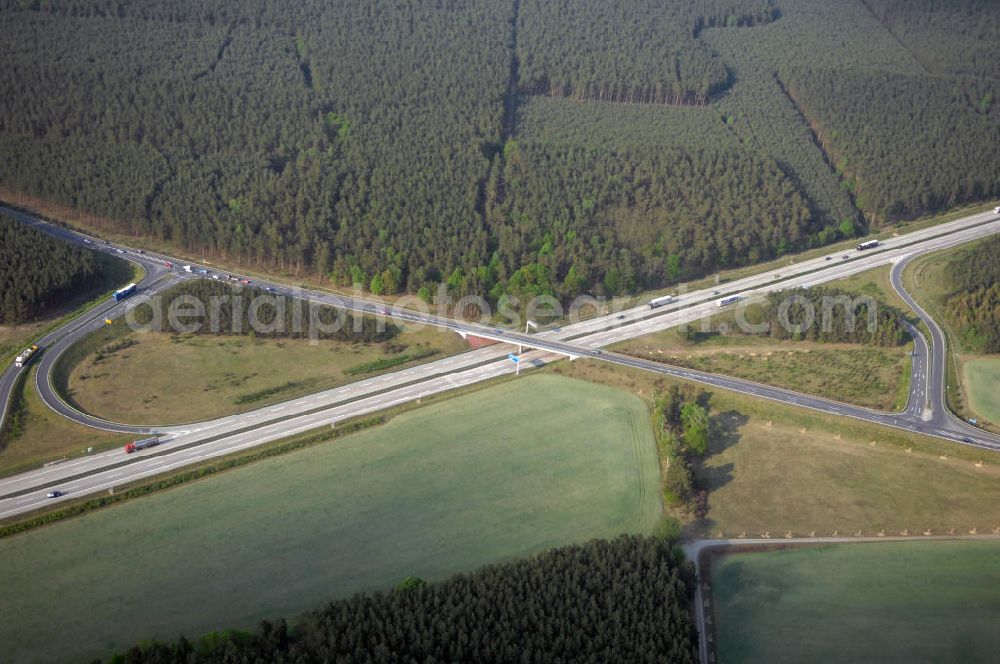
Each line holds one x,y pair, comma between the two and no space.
513,358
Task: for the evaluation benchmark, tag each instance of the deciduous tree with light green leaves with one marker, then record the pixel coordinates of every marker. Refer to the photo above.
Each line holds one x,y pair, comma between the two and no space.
694,419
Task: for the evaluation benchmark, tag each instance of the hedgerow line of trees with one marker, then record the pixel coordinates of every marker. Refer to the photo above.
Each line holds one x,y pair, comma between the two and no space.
682,428
38,271
623,600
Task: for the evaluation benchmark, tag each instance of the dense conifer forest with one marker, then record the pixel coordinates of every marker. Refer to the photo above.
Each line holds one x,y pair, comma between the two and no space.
942,153
622,601
973,302
644,51
38,271
955,37
631,218
398,145
909,140
308,136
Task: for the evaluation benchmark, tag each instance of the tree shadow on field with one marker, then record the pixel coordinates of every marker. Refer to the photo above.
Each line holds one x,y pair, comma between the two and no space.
724,432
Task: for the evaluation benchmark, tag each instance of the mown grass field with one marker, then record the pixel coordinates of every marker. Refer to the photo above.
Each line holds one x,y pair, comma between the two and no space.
982,380
497,473
804,477
893,602
778,469
166,379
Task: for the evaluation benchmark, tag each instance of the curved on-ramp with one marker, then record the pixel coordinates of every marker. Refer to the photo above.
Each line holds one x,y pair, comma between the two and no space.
441,375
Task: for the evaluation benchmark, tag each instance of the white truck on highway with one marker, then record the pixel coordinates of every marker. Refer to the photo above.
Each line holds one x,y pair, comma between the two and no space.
732,299
25,357
996,210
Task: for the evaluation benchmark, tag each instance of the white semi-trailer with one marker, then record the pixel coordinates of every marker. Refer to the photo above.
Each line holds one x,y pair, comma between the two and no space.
25,357
732,299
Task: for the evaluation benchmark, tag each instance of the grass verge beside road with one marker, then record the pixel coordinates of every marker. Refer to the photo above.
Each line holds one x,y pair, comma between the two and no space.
891,602
875,283
41,435
494,474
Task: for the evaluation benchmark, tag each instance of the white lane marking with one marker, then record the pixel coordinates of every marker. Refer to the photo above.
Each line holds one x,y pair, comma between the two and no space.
219,424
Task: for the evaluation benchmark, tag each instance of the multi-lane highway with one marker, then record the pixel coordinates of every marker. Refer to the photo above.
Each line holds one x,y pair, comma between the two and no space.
192,443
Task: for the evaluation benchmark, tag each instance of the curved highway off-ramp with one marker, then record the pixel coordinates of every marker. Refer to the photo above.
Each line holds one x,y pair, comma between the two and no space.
195,442
156,277
593,333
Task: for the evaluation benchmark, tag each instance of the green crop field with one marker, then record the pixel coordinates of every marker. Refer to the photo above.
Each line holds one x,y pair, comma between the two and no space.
892,602
982,380
492,475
